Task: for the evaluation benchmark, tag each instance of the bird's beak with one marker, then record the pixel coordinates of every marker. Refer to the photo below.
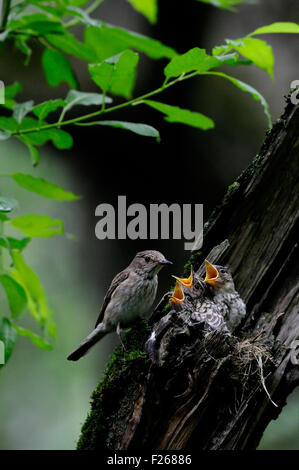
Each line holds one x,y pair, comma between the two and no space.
178,295
165,261
188,281
212,274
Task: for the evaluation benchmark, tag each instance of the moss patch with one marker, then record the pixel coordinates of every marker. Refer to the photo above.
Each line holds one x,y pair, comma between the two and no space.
112,400
195,261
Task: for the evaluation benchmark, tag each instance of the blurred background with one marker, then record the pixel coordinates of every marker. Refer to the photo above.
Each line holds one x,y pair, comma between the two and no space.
45,399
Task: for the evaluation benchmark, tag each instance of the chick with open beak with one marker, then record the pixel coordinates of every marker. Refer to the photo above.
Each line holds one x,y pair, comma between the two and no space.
193,287
198,301
224,294
187,291
186,282
177,297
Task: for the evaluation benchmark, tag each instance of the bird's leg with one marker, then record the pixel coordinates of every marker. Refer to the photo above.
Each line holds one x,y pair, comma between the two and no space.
118,331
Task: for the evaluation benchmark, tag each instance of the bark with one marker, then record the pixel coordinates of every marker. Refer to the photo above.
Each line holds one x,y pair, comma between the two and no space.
200,390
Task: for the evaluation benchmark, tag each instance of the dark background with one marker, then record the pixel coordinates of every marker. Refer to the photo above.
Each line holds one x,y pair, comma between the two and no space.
188,166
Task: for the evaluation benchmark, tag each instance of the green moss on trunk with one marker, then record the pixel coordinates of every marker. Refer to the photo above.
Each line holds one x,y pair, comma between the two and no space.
112,400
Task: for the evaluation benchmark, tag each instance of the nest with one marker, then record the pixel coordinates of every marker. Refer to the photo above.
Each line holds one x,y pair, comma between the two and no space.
252,356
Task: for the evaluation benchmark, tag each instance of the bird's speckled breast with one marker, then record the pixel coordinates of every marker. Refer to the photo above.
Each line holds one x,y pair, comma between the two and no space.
132,299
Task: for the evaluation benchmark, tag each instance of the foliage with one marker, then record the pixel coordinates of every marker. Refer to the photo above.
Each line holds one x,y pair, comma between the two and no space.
111,55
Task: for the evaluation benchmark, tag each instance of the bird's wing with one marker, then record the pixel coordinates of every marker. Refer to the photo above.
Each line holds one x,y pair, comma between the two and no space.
119,278
209,312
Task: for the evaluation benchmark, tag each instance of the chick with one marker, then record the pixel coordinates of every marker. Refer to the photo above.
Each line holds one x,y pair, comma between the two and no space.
224,294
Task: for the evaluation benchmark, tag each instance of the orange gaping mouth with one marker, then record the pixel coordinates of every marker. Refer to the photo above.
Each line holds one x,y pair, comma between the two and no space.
178,295
212,274
188,281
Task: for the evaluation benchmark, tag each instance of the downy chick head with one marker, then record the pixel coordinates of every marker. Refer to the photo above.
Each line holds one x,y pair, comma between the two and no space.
219,277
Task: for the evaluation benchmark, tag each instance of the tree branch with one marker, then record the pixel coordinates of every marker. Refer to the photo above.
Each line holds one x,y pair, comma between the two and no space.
210,390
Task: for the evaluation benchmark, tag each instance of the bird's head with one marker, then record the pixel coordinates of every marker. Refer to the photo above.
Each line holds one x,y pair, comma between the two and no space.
149,262
219,277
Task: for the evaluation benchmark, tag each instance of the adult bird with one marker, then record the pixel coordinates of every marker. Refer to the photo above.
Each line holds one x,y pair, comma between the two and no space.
130,296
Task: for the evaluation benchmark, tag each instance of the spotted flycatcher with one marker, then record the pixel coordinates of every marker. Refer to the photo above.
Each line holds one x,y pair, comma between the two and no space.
225,295
130,296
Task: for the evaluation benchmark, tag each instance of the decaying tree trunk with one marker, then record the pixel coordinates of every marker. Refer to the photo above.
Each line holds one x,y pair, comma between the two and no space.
209,390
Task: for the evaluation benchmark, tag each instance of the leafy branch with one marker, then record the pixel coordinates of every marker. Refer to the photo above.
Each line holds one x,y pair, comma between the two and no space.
140,100
111,54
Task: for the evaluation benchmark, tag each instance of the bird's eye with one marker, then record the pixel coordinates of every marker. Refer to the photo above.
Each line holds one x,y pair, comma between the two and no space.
147,259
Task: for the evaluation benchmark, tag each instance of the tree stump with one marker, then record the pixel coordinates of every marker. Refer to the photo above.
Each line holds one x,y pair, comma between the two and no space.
203,389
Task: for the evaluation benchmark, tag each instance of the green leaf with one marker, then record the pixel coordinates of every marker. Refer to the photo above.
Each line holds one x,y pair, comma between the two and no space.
83,98
12,90
43,109
69,44
116,74
37,340
8,335
194,60
60,138
37,23
16,295
36,298
21,109
8,204
11,243
43,187
4,135
248,89
280,27
137,128
34,153
21,44
49,7
223,4
45,27
57,69
108,41
259,52
184,116
232,59
148,8
101,74
3,217
8,123
77,3
35,225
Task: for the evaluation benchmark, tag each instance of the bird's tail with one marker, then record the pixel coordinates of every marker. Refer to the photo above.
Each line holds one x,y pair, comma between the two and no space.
97,334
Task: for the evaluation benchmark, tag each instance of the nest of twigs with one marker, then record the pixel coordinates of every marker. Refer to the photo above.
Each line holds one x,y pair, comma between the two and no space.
252,356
